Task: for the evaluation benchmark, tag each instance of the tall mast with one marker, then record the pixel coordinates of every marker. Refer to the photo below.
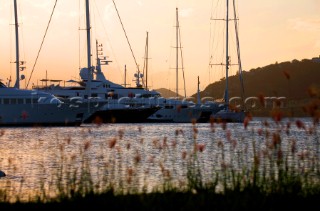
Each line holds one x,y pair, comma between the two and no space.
177,57
147,61
238,53
88,48
198,92
227,56
125,75
17,84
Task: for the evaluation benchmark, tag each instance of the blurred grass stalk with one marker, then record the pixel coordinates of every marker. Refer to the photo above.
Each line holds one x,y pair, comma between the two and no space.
266,164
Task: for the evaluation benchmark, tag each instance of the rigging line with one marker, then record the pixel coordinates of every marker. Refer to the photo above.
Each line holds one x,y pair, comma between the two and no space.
109,42
11,44
215,35
210,44
79,39
126,35
145,64
22,34
182,67
23,46
42,42
238,49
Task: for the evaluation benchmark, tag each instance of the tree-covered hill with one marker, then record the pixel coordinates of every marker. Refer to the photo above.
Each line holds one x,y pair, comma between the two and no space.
287,79
293,80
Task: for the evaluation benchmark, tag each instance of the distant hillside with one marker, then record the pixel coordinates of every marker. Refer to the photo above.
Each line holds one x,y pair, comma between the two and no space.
291,80
167,93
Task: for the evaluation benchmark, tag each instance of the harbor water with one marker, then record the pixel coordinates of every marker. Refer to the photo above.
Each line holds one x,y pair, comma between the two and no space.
143,157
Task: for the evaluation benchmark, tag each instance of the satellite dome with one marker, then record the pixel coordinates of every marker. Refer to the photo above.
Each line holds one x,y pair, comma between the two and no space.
84,73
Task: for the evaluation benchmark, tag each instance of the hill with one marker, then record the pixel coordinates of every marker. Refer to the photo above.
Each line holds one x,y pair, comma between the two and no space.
167,93
291,80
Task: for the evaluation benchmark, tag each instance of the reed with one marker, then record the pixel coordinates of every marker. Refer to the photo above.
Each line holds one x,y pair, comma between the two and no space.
248,168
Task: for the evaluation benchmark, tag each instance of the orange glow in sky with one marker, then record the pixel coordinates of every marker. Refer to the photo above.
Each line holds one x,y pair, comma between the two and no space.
269,30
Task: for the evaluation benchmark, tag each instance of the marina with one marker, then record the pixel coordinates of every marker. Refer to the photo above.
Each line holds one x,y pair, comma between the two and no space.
99,128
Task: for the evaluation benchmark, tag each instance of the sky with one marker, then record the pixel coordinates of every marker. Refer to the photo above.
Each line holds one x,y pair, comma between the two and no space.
269,31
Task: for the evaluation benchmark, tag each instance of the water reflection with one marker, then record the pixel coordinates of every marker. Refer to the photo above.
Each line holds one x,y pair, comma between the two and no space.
142,157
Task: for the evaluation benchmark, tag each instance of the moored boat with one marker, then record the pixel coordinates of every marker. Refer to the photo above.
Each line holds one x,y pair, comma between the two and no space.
20,107
23,107
227,114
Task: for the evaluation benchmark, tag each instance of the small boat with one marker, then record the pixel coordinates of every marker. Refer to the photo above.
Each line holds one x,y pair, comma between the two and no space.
184,111
175,110
227,115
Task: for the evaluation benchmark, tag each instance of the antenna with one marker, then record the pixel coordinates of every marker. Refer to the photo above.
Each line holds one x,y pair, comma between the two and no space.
177,57
125,76
146,60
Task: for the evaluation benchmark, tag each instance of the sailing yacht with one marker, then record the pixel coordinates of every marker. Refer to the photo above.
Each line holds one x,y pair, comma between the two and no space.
22,107
227,114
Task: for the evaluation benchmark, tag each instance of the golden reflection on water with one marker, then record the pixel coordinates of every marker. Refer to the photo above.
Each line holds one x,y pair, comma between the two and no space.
130,157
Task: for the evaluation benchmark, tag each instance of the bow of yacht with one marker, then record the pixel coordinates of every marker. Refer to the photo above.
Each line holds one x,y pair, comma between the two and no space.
19,107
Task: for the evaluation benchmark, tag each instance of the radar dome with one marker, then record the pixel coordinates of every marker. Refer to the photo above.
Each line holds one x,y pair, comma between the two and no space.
84,73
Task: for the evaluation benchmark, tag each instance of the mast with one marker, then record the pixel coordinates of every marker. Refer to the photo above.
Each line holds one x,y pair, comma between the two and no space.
226,97
177,51
198,92
238,54
178,47
88,48
147,61
101,60
17,84
125,75
98,53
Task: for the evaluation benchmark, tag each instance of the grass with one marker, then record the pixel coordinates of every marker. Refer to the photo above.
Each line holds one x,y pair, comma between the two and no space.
266,169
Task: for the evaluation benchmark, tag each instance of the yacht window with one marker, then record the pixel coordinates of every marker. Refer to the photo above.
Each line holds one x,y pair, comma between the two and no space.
14,101
6,101
20,101
31,100
168,107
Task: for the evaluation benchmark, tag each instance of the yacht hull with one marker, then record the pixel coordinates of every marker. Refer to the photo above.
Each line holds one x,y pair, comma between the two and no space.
175,115
228,116
120,115
42,114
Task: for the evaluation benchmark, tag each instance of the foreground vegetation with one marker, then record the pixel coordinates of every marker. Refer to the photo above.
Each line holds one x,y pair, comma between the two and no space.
268,168
248,199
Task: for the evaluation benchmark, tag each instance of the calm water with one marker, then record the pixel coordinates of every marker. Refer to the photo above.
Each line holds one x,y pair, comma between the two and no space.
139,155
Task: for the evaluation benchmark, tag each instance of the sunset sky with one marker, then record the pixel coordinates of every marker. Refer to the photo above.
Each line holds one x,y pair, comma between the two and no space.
269,30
